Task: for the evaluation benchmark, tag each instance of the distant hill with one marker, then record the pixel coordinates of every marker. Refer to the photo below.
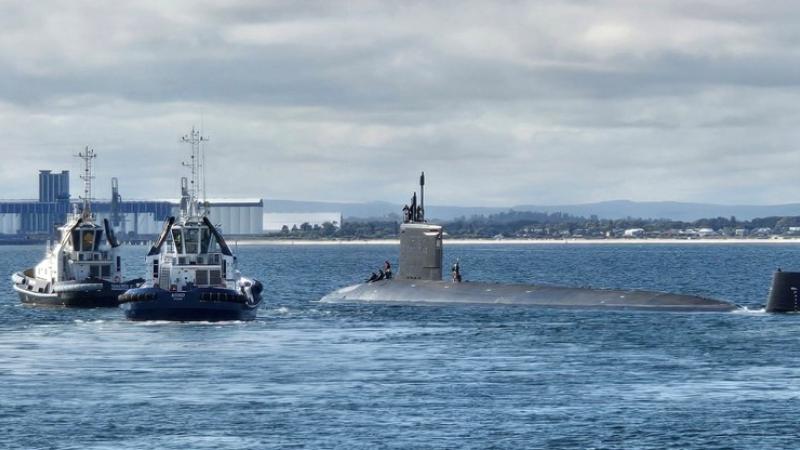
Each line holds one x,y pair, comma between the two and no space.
619,209
616,209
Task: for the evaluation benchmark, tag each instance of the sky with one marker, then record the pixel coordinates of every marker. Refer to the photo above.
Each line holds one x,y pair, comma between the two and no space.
501,103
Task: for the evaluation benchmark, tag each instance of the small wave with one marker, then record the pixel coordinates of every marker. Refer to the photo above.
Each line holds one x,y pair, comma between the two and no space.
150,323
279,311
217,324
82,321
748,311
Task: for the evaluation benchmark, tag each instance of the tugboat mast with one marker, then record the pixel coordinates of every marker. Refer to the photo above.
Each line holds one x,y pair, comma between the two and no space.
87,155
196,166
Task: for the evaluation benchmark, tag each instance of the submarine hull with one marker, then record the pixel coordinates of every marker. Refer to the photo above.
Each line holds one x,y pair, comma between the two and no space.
425,292
784,294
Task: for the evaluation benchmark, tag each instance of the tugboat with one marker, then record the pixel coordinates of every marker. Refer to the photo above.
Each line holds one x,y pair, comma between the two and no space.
83,268
191,271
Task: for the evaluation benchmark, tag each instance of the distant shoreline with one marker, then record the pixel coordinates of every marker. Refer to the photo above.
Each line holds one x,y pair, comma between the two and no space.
655,241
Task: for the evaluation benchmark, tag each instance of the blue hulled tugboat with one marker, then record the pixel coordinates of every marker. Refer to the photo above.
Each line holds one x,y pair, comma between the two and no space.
191,271
83,268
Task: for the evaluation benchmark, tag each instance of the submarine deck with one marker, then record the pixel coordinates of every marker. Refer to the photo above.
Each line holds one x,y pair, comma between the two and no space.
480,293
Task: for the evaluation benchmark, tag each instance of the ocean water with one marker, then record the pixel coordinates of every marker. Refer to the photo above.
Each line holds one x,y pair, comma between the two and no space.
312,375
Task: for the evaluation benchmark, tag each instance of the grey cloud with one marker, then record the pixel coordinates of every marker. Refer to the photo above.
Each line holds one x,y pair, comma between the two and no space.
502,103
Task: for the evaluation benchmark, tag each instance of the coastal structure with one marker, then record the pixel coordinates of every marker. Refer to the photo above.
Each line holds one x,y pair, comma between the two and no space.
634,233
129,218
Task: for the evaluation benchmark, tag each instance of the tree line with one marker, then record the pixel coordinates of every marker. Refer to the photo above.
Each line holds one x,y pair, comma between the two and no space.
524,224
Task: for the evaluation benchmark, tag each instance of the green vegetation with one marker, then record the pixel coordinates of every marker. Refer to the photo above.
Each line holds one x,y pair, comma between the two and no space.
350,230
533,225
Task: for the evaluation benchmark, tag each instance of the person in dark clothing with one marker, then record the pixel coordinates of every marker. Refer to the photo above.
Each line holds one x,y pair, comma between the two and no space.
413,209
372,278
387,269
381,275
406,214
456,272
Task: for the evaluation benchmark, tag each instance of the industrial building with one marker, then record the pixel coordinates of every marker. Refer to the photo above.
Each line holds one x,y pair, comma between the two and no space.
130,218
53,186
237,216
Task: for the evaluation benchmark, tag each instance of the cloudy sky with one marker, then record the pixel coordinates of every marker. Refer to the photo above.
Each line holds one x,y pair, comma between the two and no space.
501,103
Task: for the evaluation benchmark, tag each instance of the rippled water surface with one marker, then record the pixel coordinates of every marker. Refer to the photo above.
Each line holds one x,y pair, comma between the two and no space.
311,375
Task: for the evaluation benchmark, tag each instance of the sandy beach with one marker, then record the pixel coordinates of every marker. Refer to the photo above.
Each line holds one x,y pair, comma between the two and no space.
529,241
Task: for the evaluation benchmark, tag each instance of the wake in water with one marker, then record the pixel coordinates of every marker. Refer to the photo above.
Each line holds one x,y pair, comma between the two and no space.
750,311
150,323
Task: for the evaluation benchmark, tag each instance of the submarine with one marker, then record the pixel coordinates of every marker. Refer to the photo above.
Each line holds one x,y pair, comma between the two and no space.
783,293
419,282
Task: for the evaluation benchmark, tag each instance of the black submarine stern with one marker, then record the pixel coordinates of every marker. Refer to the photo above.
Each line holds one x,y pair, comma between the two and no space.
784,294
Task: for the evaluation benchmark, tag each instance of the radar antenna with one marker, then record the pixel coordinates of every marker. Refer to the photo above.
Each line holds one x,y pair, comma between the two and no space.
87,155
196,166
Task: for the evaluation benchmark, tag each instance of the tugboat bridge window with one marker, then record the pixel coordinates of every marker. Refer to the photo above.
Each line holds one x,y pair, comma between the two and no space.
192,238
76,242
205,240
87,241
178,238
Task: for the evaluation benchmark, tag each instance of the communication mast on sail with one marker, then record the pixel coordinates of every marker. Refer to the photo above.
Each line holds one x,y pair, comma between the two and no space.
421,212
116,199
87,155
197,167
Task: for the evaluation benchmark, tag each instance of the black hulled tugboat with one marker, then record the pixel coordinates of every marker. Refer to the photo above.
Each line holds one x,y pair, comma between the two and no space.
83,267
191,271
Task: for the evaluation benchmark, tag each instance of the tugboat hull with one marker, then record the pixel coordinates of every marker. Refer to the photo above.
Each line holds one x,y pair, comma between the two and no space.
200,304
87,294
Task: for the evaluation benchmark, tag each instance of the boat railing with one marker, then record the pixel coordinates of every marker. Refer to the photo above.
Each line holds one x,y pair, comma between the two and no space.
197,260
89,256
